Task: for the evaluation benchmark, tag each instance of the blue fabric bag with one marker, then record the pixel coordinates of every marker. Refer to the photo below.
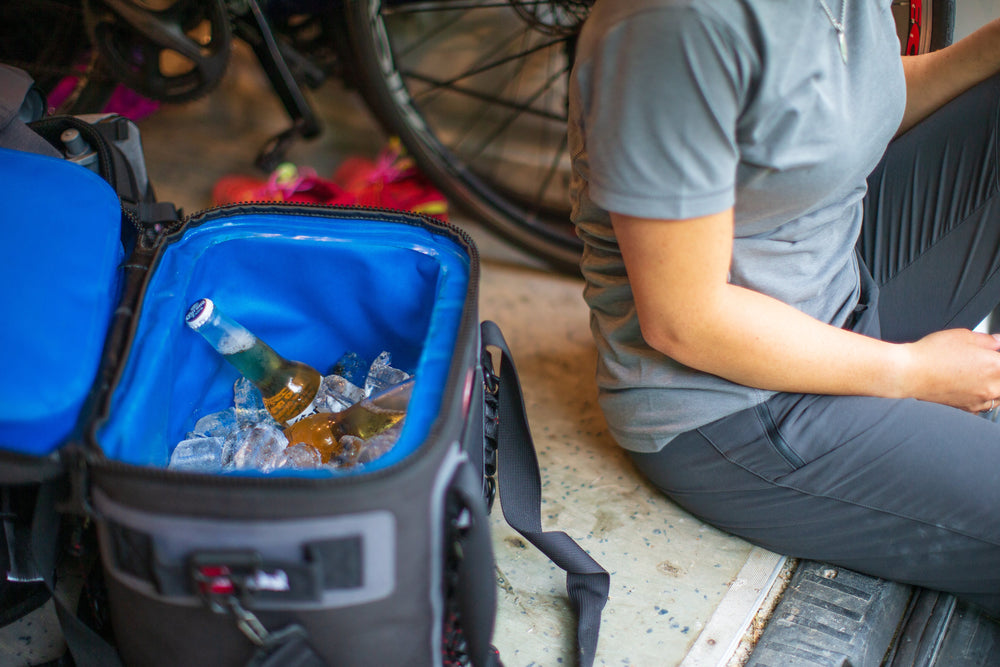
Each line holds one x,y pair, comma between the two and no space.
60,257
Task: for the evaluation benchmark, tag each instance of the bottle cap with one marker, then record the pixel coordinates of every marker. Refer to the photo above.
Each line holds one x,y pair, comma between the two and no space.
199,313
74,143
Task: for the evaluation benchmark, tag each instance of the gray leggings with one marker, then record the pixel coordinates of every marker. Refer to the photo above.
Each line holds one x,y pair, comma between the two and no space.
899,489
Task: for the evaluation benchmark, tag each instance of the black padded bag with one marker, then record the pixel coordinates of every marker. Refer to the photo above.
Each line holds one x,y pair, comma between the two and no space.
389,566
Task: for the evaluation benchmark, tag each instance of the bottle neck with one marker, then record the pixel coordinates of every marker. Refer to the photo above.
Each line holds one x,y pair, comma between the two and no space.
251,356
257,363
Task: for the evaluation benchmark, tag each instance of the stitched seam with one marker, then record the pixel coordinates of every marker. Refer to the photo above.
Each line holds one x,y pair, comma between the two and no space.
778,442
853,503
923,252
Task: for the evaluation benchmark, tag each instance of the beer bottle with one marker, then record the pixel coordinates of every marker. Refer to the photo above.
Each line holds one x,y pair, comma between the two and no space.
288,387
367,418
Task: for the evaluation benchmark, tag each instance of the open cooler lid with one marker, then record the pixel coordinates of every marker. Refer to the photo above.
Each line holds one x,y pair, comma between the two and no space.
60,252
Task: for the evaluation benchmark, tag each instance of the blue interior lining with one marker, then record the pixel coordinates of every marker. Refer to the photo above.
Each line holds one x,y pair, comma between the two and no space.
313,288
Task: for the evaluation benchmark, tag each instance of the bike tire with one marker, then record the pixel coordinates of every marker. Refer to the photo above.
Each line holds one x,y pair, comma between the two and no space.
477,95
468,84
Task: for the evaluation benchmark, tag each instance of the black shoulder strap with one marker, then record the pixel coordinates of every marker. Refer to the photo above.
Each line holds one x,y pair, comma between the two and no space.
87,648
587,583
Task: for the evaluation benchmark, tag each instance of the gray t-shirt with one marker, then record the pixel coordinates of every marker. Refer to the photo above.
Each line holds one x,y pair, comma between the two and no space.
683,108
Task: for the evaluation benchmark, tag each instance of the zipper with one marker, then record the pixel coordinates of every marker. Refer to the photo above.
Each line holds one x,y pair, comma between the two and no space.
287,208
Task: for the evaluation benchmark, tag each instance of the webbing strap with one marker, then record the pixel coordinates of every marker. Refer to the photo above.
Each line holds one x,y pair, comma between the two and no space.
587,583
87,647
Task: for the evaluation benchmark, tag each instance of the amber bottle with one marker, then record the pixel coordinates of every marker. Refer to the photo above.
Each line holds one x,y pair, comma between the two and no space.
288,387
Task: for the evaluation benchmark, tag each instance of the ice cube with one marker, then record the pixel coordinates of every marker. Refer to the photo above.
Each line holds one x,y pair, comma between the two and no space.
377,445
351,367
382,375
217,424
336,393
300,457
261,448
232,443
197,455
350,447
248,404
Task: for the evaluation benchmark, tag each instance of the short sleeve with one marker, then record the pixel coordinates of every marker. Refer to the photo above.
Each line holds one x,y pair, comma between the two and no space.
660,117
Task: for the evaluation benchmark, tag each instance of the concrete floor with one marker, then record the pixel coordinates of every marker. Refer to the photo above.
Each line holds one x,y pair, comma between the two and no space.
669,571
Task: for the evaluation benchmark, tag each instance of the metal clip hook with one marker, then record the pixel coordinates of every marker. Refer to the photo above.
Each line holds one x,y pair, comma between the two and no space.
248,624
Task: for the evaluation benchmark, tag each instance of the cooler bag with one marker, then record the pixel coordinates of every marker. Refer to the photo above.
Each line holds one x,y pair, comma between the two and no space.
388,565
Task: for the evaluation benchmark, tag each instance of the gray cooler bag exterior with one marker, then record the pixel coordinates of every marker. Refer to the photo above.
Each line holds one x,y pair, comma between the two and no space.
217,569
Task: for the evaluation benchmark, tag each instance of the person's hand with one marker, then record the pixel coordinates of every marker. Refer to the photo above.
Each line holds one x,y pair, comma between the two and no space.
956,367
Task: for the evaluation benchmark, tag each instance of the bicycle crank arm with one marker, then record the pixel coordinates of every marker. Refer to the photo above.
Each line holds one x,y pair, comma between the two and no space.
158,32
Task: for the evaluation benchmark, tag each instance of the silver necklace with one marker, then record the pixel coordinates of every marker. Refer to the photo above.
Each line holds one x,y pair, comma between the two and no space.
838,26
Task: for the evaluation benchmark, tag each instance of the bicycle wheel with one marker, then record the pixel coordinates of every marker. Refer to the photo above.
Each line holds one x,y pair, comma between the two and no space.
476,90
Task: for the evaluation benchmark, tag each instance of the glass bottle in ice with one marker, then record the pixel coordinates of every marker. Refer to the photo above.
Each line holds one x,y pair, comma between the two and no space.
326,431
288,387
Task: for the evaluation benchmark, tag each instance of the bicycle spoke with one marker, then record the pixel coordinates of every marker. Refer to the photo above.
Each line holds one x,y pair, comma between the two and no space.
429,96
436,86
507,59
475,120
478,65
446,5
486,65
477,92
426,38
520,109
485,97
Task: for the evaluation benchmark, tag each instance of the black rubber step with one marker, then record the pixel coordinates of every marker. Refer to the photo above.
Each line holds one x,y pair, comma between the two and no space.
831,617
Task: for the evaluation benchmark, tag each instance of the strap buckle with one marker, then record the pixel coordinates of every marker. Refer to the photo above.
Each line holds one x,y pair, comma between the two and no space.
221,582
222,577
227,581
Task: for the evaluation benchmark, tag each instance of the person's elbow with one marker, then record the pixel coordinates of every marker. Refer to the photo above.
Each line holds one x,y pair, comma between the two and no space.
683,339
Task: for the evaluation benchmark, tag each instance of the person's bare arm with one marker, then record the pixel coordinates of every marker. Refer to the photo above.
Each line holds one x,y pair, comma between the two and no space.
932,79
688,310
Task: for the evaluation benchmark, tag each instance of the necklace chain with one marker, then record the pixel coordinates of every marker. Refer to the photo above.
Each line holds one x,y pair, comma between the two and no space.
839,26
